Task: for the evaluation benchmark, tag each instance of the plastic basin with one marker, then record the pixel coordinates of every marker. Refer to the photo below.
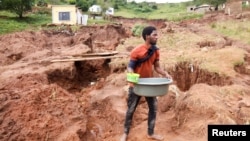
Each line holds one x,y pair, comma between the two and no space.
151,87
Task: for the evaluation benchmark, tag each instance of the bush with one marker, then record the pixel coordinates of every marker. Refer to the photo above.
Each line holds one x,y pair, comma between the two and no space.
137,30
154,7
83,5
44,11
143,10
72,1
42,3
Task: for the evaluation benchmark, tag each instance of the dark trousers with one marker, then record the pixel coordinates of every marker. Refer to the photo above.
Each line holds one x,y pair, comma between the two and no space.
133,101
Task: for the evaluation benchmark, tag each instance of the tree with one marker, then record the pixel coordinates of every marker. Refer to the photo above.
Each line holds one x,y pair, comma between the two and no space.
215,3
85,4
17,6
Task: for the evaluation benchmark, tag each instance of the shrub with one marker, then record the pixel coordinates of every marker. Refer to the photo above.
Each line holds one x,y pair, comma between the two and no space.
137,30
72,1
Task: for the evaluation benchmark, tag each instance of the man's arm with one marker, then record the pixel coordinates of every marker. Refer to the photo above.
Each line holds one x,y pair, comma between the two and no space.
159,70
130,70
131,66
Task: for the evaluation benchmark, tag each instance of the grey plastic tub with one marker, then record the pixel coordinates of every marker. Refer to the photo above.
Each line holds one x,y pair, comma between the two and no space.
151,87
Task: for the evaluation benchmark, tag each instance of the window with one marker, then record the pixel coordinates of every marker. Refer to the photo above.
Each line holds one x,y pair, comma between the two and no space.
64,16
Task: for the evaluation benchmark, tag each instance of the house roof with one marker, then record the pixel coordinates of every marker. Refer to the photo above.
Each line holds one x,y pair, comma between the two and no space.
63,6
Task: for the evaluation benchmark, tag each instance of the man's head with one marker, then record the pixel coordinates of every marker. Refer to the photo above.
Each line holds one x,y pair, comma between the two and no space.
150,35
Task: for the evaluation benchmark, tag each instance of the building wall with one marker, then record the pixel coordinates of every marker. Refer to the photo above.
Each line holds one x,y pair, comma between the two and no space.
95,9
191,8
64,8
81,18
201,9
204,9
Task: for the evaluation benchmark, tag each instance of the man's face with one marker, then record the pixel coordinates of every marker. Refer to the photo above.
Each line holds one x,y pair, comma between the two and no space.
153,38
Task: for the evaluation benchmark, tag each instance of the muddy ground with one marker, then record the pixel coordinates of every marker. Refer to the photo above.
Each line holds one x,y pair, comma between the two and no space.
42,100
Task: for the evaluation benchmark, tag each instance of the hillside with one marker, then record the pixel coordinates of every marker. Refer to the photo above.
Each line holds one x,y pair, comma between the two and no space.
86,100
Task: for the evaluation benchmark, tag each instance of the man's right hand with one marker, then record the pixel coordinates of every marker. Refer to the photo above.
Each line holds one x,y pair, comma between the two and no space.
130,70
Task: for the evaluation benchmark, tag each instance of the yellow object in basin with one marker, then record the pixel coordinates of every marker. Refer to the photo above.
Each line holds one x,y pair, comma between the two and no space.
133,77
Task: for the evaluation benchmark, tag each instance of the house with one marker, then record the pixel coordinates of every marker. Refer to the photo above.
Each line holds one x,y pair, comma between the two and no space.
201,9
95,12
68,14
65,14
81,18
245,2
204,8
95,9
110,11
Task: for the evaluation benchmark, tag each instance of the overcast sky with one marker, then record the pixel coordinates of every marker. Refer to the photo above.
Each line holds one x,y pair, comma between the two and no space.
163,1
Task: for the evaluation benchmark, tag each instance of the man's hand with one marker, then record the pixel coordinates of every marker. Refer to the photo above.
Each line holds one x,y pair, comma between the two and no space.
167,75
130,70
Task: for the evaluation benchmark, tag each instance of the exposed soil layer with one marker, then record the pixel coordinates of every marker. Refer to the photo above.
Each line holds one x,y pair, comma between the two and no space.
86,100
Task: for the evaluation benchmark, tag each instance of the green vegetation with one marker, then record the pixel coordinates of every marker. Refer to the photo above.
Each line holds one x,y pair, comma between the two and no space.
229,58
54,2
98,21
9,22
18,7
171,12
235,29
137,30
41,15
215,3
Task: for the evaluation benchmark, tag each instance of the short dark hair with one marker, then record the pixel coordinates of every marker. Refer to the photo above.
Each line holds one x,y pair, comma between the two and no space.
147,31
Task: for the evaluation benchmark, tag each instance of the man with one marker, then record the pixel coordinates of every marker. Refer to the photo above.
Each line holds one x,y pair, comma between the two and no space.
142,58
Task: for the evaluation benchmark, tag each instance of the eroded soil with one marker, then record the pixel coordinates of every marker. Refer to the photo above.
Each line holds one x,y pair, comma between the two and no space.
42,100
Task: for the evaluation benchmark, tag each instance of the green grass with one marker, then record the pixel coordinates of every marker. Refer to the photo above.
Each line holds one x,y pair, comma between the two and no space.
10,22
229,58
125,13
171,12
239,30
98,21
